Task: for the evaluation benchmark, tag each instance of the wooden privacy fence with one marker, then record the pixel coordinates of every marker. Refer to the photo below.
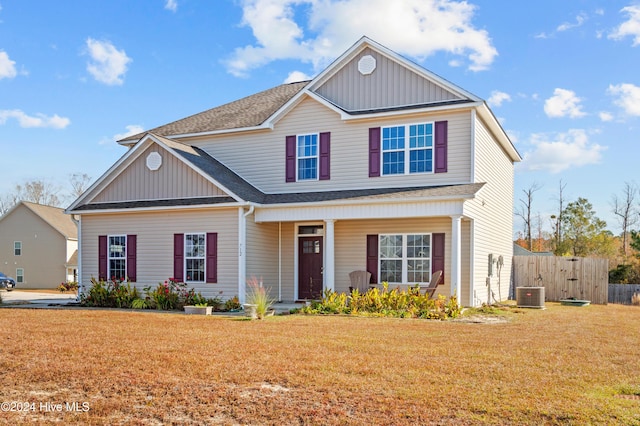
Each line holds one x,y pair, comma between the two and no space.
564,277
622,293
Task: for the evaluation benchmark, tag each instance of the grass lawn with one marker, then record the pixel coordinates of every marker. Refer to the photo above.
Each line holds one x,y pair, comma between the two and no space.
563,365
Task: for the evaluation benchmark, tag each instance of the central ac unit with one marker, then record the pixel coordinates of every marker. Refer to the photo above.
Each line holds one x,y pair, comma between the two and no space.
530,297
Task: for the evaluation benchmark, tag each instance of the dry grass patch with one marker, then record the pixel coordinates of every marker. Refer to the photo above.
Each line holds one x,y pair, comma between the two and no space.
558,366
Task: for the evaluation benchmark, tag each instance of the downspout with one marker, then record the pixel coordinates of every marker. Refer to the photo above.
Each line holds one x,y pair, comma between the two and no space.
279,261
80,286
242,263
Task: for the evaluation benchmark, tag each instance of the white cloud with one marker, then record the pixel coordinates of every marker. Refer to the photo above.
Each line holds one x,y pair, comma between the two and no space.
497,98
628,97
561,151
417,28
39,120
631,27
296,76
565,26
108,64
563,103
605,116
171,5
132,129
7,66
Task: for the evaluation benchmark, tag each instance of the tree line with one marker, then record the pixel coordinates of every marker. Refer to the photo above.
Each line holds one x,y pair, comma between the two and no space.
577,231
44,192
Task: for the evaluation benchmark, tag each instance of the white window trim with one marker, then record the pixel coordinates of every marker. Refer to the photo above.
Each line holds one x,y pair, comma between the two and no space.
18,281
109,258
14,248
407,149
405,259
204,257
317,157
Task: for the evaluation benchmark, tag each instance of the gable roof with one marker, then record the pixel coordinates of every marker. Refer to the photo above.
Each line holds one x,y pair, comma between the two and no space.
53,216
248,112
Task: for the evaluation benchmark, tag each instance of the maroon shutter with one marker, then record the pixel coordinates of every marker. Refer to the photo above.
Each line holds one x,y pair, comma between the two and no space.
178,257
290,158
374,152
131,257
437,255
441,147
372,257
325,139
212,257
102,257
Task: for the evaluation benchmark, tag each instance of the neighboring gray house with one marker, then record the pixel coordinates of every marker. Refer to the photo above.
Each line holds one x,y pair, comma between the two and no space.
38,245
376,164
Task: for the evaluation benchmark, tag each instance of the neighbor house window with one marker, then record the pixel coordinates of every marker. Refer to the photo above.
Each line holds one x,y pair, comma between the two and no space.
407,149
195,257
117,261
307,150
17,248
20,275
405,258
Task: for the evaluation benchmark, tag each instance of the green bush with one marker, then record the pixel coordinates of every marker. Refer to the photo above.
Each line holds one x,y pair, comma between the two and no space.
109,294
383,302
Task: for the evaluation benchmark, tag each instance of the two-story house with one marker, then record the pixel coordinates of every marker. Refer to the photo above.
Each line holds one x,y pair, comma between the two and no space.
376,164
39,245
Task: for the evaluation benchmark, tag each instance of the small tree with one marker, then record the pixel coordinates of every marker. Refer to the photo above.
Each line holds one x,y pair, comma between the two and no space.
627,212
525,212
584,233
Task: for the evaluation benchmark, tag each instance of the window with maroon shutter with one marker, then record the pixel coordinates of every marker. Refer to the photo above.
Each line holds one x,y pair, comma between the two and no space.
372,257
374,152
131,258
178,257
325,154
441,146
212,257
102,257
437,255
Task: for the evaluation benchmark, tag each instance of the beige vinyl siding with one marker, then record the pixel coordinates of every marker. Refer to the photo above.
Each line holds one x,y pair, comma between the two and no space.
174,179
492,211
259,157
44,250
389,85
155,244
351,245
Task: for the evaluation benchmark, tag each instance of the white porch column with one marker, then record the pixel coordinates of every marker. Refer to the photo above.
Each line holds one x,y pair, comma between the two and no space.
329,255
242,262
456,257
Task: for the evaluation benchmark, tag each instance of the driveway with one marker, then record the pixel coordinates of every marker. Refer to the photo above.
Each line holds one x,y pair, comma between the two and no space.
36,298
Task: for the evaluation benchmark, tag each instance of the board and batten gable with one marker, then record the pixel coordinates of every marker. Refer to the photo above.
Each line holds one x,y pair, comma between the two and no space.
173,179
389,85
259,157
155,237
492,214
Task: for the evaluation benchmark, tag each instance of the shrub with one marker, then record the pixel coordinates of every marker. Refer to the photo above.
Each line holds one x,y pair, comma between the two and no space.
259,296
68,286
109,294
167,296
232,304
410,303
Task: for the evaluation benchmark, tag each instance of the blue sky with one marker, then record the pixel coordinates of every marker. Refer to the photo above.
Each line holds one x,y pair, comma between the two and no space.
561,76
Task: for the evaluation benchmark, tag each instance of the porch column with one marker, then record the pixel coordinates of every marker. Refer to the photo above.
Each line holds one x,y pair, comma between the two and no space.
328,274
456,257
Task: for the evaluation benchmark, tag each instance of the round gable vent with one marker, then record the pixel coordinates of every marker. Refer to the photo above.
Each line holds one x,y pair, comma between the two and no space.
366,65
154,161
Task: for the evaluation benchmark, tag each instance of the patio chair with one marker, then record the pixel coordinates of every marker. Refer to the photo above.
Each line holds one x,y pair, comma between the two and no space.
433,283
359,281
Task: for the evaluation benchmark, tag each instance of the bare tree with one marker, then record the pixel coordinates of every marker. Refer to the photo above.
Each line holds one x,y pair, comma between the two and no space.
626,211
557,220
38,191
525,211
79,184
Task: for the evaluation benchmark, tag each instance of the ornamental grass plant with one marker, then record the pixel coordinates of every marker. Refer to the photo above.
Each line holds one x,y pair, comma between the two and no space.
259,297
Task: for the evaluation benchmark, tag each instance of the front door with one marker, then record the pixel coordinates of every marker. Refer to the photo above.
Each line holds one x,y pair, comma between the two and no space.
310,267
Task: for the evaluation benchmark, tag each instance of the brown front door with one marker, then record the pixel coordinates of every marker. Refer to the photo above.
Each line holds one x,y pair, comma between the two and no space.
310,267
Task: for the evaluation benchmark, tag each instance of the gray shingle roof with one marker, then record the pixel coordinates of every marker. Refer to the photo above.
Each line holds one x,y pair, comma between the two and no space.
250,111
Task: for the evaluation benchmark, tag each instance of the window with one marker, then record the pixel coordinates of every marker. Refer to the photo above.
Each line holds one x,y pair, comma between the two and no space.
307,152
405,258
19,275
17,248
195,257
418,149
117,260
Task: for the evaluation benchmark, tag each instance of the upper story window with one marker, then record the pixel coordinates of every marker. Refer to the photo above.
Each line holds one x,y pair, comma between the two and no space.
17,248
307,153
117,260
407,149
195,257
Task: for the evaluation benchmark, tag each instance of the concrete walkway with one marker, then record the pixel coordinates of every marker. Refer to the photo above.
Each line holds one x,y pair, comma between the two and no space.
36,298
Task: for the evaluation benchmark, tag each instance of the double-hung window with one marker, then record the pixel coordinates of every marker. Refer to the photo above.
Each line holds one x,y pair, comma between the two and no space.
307,149
407,149
195,257
117,260
20,275
17,248
405,258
